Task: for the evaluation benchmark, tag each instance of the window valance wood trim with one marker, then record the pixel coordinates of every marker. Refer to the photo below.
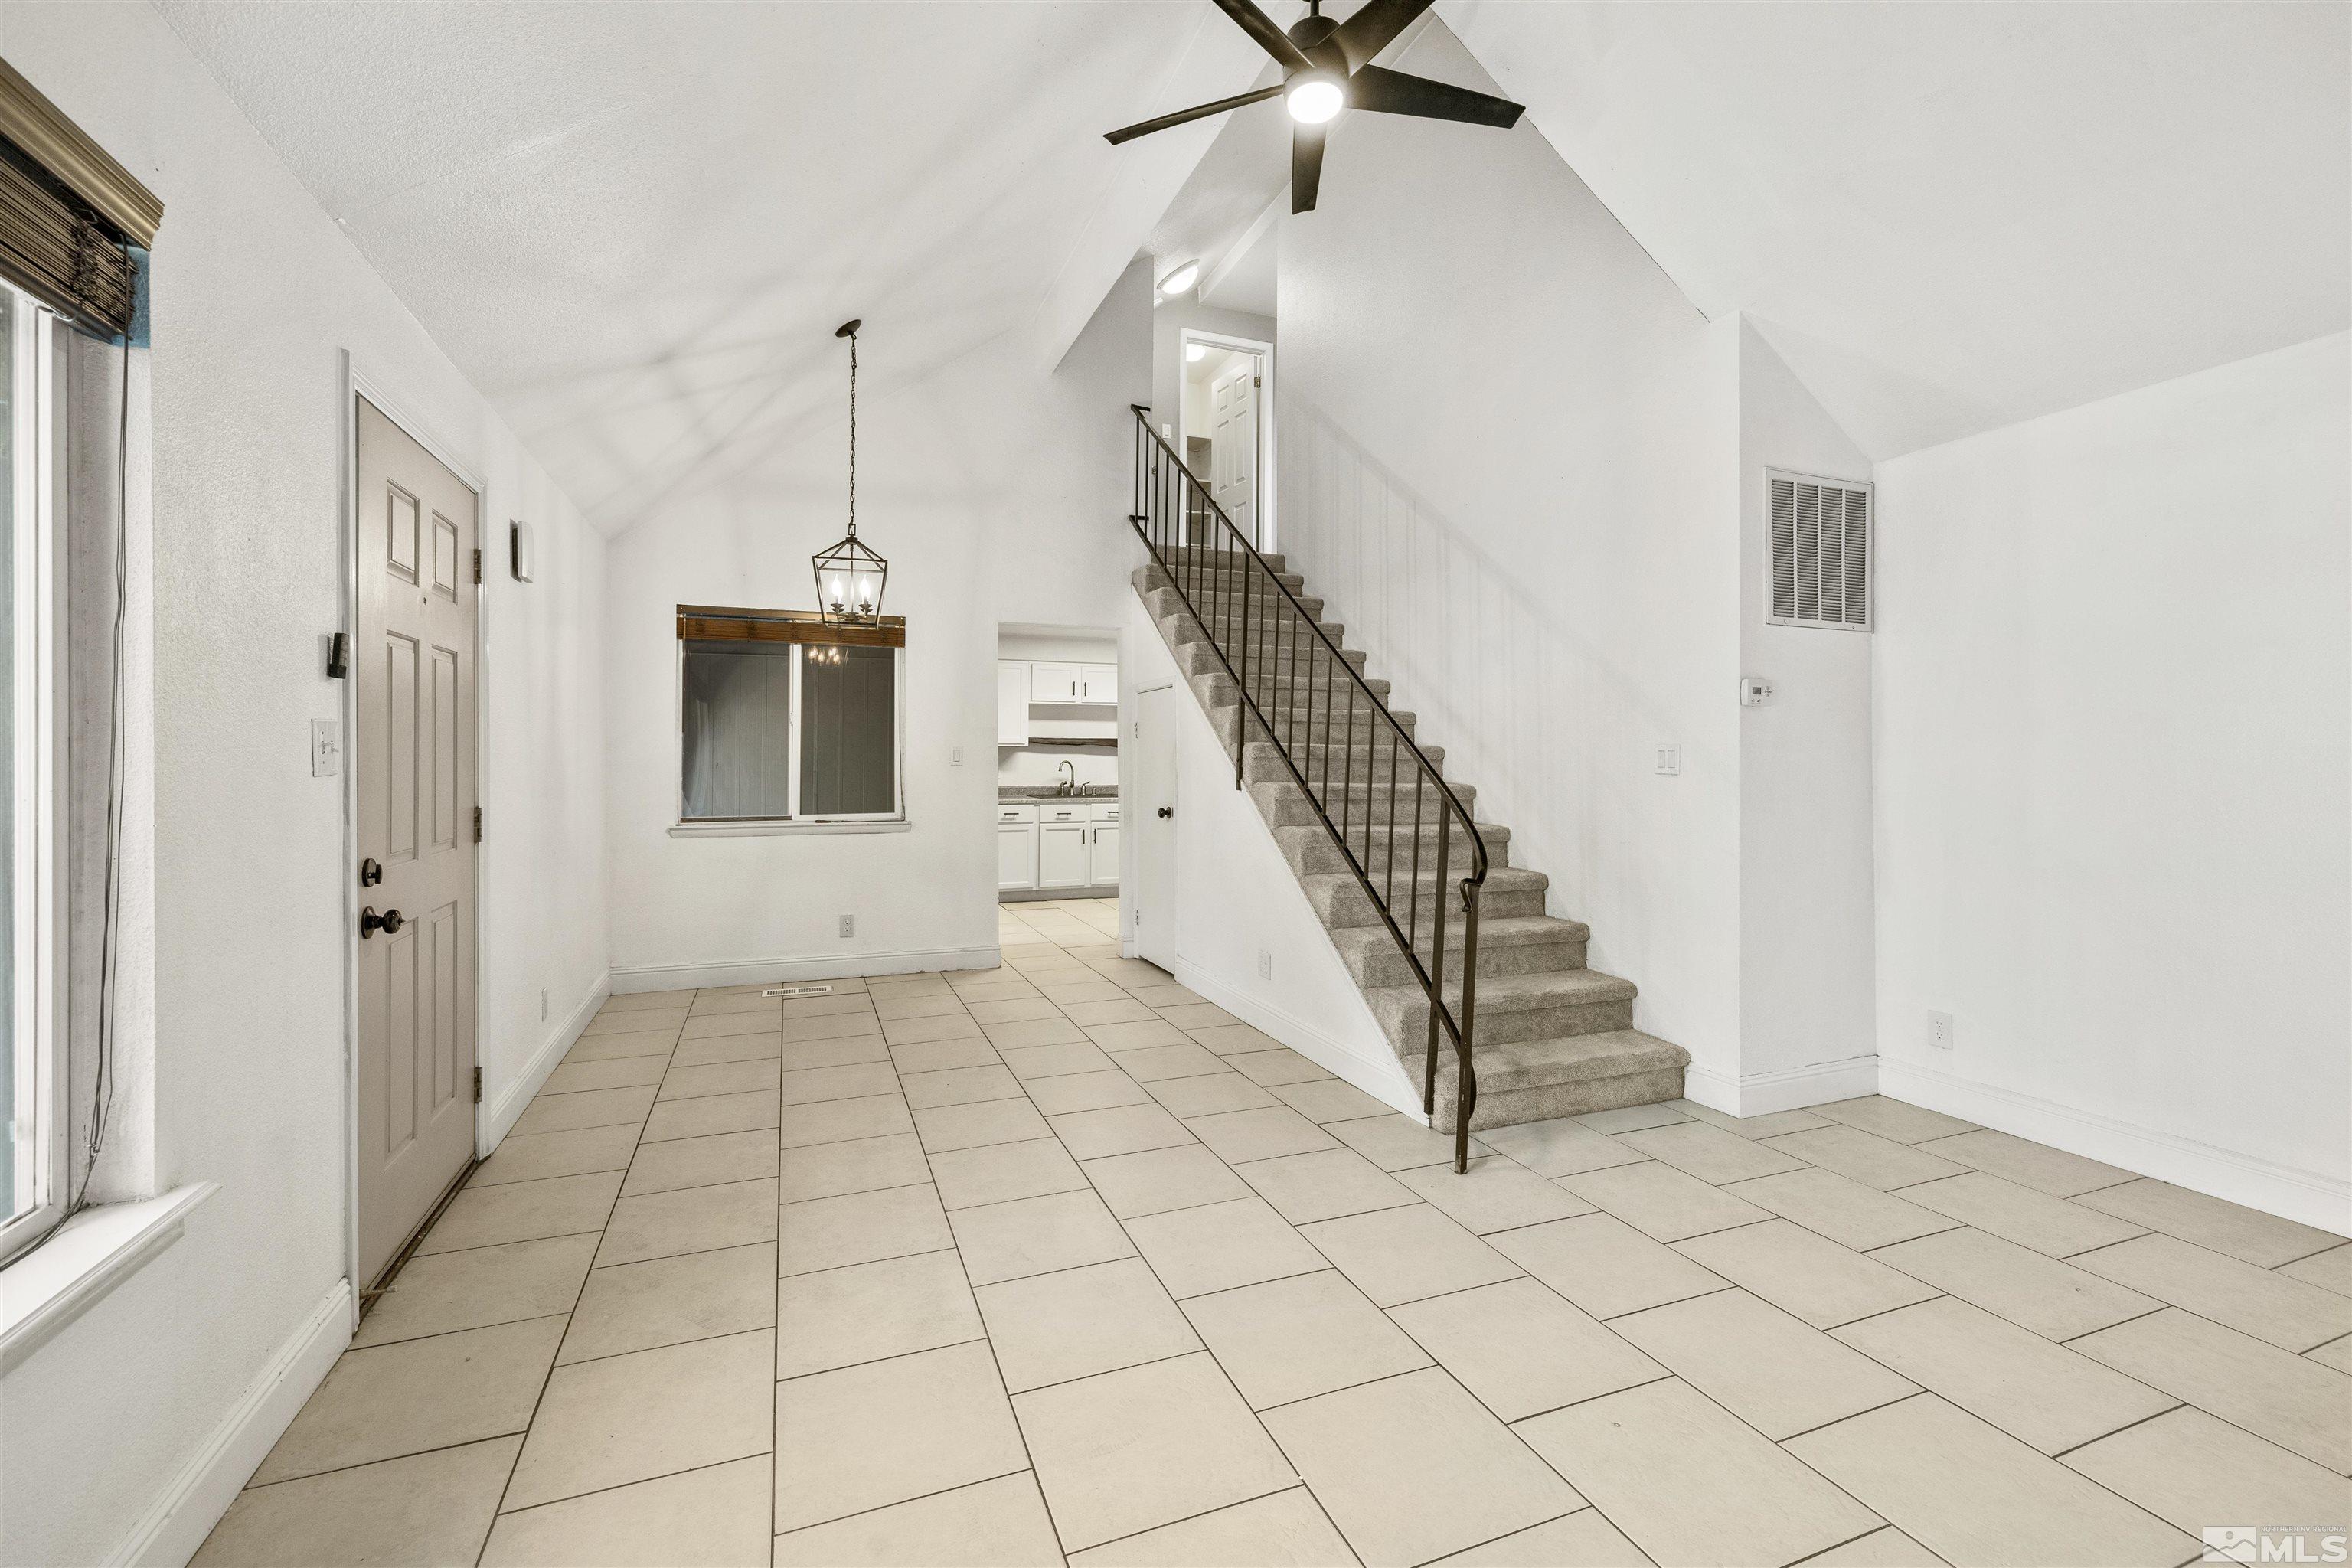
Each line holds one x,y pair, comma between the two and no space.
69,213
717,622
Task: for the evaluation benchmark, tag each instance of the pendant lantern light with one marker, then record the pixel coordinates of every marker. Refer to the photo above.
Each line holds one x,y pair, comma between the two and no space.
849,576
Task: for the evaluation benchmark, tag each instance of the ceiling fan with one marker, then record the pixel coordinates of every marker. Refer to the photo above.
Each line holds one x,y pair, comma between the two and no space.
1327,65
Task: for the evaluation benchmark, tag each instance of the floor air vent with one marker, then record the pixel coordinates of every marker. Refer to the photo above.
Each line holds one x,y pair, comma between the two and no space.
798,991
1821,534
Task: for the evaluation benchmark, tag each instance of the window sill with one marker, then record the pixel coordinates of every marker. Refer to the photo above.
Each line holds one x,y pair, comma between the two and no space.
45,1289
783,829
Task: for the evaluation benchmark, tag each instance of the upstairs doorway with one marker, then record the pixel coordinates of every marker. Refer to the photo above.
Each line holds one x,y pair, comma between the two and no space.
1227,429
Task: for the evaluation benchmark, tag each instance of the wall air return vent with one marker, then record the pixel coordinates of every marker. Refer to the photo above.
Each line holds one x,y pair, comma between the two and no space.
1820,537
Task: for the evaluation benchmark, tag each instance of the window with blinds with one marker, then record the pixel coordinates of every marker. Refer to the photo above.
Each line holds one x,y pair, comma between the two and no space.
1821,551
70,215
784,719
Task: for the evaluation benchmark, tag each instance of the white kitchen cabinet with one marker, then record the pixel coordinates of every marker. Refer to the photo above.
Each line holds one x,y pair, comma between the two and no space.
1055,682
1012,703
1104,854
1062,854
1098,683
1016,847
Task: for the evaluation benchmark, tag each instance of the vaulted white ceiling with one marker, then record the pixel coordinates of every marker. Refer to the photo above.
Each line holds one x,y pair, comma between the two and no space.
1950,216
635,225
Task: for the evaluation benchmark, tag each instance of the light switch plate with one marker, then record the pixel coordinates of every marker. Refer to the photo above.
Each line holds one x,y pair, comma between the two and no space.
1670,759
326,748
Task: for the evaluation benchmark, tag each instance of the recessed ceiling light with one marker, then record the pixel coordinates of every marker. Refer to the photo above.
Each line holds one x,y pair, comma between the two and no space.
1314,97
1180,277
1195,353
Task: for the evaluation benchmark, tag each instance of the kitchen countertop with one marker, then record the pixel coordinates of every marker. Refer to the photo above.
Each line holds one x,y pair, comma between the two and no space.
1011,793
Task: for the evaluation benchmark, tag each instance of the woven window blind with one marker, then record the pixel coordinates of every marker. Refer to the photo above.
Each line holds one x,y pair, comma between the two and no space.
70,215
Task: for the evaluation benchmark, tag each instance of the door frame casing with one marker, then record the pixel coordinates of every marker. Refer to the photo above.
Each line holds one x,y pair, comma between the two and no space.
359,380
1269,509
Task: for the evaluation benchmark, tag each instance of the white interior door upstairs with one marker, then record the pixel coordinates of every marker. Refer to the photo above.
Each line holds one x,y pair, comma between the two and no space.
1232,445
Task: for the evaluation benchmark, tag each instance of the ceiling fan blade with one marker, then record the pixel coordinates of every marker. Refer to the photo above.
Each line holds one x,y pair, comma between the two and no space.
1374,26
1260,25
1198,112
1396,93
1305,165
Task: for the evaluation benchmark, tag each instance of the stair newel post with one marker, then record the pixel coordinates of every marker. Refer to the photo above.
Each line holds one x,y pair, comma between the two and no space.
1436,963
1466,1077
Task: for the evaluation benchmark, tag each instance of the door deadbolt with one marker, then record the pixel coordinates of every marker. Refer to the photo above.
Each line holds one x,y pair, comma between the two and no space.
370,872
372,922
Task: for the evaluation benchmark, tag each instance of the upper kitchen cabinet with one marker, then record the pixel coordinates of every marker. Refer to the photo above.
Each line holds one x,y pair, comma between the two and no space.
1012,703
1057,683
1098,683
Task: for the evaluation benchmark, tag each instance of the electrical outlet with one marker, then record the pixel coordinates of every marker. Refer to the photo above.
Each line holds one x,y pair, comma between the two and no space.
543,1004
1670,759
1939,1031
1264,963
849,925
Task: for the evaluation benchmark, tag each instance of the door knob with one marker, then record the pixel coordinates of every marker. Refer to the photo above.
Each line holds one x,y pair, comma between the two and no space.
1167,810
370,922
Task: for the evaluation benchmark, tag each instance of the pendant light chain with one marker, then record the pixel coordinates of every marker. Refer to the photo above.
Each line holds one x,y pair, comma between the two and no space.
853,435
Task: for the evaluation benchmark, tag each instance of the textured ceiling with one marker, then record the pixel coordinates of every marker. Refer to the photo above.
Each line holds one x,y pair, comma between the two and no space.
634,225
1948,216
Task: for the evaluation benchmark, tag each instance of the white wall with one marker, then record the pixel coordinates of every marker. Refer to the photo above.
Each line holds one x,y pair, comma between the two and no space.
998,492
1529,522
254,293
2113,782
1807,1022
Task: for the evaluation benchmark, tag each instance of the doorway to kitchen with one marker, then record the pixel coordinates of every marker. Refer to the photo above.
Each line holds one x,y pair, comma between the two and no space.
1057,799
1227,414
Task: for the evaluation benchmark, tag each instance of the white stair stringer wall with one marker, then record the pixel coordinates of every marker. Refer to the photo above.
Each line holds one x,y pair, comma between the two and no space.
1236,896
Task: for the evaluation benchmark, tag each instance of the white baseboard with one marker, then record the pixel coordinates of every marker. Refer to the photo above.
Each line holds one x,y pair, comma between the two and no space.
1383,1077
2304,1196
763,971
171,1531
1761,1094
514,1098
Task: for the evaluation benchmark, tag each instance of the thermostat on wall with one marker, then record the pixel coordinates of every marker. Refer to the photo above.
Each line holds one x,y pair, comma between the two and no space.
521,560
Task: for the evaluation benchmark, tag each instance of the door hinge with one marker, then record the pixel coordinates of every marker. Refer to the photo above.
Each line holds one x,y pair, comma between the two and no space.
477,1085
478,566
477,824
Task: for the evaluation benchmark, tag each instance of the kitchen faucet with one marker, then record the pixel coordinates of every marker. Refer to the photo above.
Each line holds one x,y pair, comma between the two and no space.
1070,784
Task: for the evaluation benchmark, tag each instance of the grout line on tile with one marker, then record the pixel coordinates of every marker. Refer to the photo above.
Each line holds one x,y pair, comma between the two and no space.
2176,1404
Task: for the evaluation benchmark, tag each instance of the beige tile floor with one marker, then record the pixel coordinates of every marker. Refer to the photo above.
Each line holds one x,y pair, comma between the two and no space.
1059,1262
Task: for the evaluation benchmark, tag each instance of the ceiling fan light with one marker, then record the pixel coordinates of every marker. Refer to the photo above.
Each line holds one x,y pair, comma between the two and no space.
1180,277
1314,97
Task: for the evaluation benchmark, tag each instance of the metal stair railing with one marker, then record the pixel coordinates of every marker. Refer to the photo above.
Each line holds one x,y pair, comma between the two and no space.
1286,668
